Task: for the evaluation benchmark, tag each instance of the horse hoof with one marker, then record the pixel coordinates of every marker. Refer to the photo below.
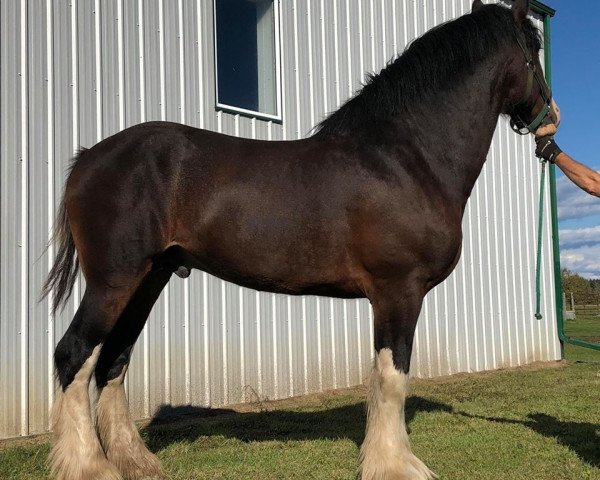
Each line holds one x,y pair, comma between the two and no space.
136,463
97,469
409,467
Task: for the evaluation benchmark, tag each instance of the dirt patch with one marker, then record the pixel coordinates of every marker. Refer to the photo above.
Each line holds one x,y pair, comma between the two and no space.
24,441
530,367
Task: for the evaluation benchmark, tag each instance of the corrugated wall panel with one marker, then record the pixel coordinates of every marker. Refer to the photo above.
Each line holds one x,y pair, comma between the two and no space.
39,226
9,150
74,72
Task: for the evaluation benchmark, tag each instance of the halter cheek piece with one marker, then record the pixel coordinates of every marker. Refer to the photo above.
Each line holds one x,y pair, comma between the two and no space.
519,125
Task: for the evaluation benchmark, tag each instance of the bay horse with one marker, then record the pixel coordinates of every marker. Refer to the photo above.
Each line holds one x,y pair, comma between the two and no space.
370,205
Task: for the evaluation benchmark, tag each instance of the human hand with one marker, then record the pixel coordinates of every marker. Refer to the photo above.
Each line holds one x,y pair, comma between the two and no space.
547,148
546,130
550,124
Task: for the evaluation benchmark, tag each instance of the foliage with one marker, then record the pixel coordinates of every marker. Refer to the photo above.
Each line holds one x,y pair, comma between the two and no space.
586,291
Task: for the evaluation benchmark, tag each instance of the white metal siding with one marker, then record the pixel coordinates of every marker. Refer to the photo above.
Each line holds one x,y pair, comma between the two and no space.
73,72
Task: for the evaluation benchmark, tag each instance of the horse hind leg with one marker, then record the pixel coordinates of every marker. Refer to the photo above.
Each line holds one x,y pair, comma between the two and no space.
118,434
385,452
77,453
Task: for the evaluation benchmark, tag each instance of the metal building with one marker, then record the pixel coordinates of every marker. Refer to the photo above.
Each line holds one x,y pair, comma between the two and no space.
73,72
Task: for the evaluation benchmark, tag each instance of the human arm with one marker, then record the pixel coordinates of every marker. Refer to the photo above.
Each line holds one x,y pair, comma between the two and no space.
582,176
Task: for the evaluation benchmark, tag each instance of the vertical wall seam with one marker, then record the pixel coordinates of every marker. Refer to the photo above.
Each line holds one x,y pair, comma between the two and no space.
121,65
274,337
372,37
24,327
205,333
499,318
242,320
349,57
98,88
471,265
332,343
51,195
224,342
384,53
514,238
304,346
336,54
319,344
280,90
323,62
488,247
296,68
311,80
371,345
258,346
346,352
200,63
482,310
290,347
359,340
518,213
361,53
506,234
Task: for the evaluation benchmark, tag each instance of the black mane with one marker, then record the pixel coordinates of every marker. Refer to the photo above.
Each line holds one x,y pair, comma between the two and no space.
431,64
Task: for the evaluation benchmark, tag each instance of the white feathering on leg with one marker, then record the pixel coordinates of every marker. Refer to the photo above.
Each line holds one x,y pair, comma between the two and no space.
77,454
385,453
120,438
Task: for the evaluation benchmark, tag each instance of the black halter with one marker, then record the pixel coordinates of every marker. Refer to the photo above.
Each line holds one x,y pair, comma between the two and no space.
516,122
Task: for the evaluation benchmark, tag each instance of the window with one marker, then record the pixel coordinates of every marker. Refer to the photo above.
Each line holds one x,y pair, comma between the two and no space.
247,57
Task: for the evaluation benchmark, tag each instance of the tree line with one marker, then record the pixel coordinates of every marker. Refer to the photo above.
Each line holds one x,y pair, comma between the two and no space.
586,291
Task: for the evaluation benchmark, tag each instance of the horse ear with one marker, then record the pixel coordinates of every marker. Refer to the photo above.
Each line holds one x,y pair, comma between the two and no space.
477,4
520,9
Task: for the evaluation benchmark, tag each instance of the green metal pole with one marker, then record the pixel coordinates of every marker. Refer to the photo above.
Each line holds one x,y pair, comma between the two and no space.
554,213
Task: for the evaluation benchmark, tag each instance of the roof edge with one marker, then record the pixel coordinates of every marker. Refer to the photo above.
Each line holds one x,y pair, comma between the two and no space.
542,8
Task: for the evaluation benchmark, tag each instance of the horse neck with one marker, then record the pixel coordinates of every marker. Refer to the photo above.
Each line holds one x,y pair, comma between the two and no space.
454,134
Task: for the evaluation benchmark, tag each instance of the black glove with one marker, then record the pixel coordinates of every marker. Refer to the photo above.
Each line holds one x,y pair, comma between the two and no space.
547,148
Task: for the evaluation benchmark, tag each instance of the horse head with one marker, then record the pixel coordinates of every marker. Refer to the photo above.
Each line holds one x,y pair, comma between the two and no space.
530,104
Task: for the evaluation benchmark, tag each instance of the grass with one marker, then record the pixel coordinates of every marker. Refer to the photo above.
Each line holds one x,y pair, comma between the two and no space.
534,423
583,328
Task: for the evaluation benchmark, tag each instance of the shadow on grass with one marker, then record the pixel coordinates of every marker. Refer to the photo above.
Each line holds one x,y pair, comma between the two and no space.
175,424
345,422
580,437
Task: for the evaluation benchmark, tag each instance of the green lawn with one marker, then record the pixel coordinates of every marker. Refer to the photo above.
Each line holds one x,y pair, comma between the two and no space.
583,328
530,423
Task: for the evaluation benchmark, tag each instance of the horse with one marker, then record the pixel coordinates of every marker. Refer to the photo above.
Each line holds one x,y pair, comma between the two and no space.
369,205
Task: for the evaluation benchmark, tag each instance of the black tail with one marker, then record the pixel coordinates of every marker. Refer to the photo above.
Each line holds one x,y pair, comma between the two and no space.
64,272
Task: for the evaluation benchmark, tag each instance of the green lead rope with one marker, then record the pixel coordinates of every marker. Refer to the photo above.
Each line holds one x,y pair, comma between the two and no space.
538,265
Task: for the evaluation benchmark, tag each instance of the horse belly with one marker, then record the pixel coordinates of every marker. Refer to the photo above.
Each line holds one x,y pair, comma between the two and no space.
279,271
294,259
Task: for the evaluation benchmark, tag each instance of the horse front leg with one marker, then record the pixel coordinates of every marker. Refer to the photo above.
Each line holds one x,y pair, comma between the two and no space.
385,453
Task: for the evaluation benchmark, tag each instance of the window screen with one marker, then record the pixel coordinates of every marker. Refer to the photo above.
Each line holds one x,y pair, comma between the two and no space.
246,50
